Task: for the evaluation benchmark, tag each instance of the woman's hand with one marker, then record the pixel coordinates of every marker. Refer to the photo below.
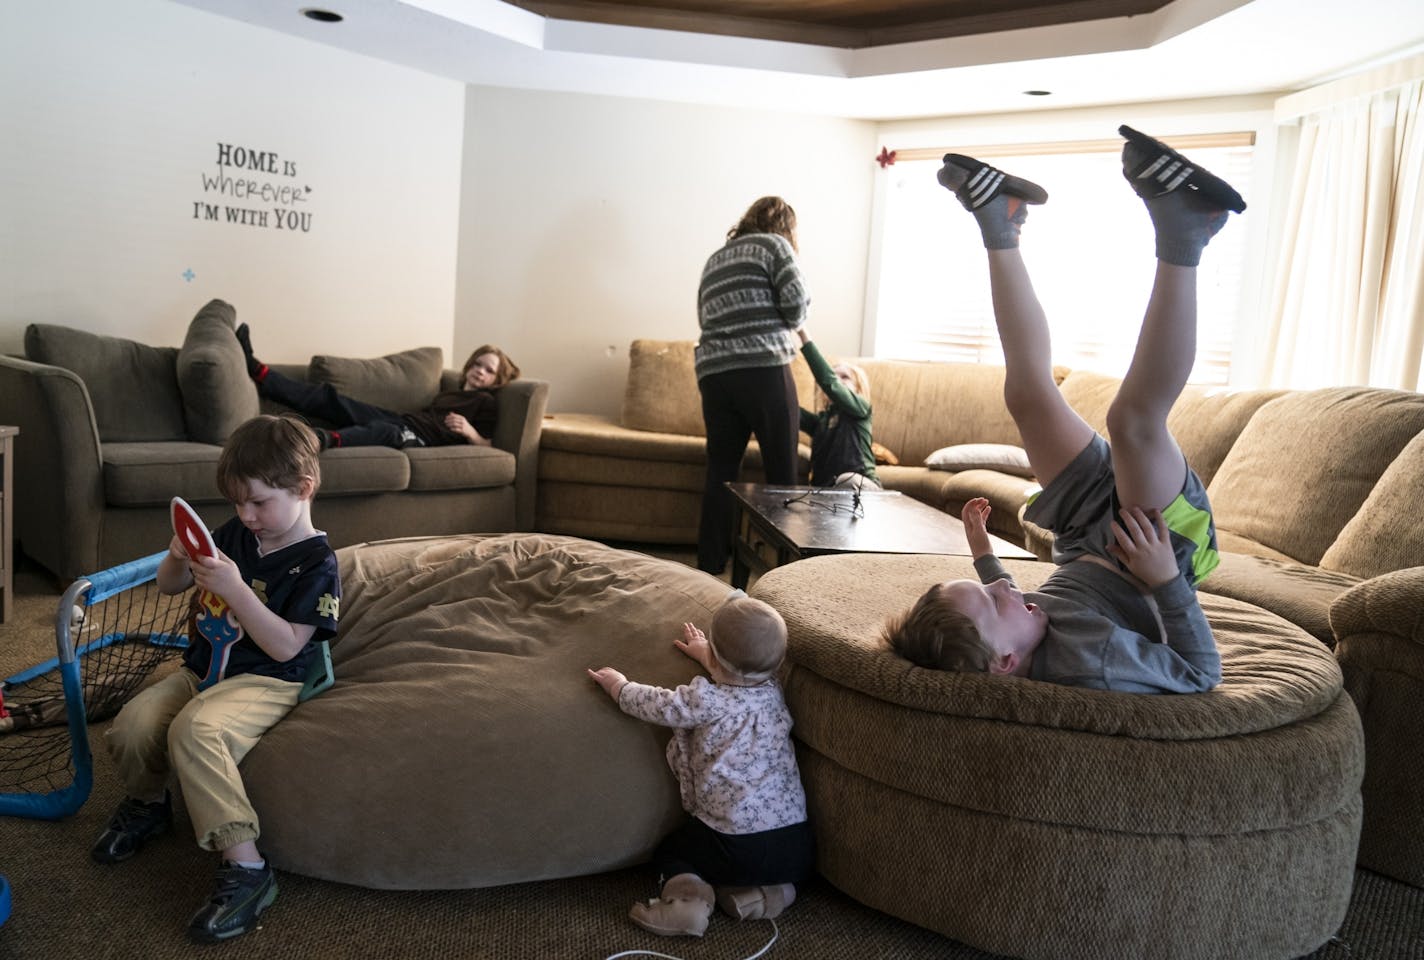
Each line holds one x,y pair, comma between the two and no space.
975,517
1144,546
456,423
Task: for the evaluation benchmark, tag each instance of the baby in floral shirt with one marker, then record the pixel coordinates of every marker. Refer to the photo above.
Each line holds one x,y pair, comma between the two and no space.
736,769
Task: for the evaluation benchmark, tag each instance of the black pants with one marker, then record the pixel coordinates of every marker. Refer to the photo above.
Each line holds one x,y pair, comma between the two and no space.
735,405
783,855
360,424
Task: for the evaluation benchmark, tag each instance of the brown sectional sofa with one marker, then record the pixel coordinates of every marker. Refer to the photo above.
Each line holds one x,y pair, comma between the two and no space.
1313,492
112,429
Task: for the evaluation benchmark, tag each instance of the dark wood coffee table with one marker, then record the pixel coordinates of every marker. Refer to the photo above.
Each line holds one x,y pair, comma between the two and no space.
773,526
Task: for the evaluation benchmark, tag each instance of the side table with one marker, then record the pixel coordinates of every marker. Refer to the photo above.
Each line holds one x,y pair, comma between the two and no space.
7,526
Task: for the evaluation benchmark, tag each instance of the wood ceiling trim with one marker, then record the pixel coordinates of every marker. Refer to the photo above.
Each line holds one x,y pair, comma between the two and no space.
875,22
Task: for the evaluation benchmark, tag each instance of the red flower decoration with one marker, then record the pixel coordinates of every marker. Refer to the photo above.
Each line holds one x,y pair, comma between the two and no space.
886,158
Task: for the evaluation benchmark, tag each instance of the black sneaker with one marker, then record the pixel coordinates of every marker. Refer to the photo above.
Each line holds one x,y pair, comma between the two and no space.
239,899
133,822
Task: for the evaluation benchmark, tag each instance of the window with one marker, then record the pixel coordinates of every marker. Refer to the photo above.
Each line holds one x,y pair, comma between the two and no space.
1089,251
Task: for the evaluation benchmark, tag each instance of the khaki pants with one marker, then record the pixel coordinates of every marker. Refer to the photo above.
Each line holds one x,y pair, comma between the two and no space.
202,736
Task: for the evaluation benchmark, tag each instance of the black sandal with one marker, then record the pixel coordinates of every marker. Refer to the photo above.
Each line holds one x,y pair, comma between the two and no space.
1166,170
986,182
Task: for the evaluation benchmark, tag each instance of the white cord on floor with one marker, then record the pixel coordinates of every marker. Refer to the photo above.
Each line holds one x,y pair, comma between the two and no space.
775,932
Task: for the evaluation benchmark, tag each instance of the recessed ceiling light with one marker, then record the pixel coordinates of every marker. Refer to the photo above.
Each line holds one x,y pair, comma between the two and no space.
1038,93
322,16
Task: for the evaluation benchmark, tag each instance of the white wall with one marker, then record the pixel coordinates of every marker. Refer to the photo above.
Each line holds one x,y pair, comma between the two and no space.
112,114
585,222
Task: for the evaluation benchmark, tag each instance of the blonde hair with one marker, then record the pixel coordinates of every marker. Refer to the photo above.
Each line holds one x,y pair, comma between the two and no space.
936,635
279,451
748,637
767,215
859,382
508,369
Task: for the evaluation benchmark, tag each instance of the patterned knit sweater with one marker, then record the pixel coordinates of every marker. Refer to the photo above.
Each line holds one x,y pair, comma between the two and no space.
750,304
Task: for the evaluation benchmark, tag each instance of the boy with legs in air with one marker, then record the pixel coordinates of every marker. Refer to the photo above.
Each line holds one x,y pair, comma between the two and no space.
1132,525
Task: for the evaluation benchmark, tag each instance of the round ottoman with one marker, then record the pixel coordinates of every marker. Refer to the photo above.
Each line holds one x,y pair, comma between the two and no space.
463,745
1050,822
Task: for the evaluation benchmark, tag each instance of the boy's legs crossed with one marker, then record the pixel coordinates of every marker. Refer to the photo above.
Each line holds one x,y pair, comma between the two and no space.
208,740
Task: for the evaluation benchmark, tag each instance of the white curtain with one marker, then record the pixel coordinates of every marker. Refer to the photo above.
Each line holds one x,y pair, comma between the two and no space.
1347,304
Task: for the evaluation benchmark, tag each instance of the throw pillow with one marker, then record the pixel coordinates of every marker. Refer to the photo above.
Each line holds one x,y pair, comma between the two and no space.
404,382
133,388
884,455
1381,537
1002,457
218,395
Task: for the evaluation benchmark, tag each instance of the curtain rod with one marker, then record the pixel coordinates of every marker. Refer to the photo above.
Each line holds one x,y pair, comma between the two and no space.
1194,141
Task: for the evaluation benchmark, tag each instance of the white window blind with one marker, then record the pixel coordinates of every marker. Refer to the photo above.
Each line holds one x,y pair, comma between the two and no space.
1089,251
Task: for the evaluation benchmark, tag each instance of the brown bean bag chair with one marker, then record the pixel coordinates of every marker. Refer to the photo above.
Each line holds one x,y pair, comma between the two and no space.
462,744
1055,823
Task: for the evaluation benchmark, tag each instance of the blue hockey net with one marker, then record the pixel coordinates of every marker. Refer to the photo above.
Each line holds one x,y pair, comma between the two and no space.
112,630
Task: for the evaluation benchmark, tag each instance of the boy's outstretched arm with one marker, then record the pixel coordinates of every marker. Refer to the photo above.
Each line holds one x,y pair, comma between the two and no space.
279,639
975,516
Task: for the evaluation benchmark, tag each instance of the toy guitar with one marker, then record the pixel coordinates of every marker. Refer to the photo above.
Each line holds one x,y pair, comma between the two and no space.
213,621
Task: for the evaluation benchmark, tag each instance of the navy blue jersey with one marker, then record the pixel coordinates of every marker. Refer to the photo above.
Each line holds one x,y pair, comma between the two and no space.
299,583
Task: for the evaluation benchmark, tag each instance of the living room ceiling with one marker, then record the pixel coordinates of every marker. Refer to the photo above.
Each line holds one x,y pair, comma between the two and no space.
873,59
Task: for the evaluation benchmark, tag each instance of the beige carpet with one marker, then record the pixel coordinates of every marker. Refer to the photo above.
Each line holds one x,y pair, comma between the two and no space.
64,906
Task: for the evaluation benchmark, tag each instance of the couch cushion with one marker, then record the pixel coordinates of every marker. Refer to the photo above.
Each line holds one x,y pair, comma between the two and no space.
218,395
352,470
462,467
1294,591
150,474
1384,535
133,387
661,393
1267,490
919,407
404,382
1205,420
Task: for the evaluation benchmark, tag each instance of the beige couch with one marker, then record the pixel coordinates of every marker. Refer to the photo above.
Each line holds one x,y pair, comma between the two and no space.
1313,493
112,429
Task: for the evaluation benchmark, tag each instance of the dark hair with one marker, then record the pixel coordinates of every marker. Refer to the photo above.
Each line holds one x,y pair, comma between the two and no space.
768,215
279,451
508,369
935,635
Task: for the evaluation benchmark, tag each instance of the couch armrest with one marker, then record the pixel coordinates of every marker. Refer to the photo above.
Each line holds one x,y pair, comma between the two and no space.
1391,603
58,469
521,419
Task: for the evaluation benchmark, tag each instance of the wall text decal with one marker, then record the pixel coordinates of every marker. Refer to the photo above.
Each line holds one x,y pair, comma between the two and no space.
252,180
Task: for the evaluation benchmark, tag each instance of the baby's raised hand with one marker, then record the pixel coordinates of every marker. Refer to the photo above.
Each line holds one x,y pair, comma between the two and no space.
693,642
1144,546
609,679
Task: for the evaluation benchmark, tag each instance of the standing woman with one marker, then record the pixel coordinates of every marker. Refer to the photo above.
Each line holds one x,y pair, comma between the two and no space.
750,305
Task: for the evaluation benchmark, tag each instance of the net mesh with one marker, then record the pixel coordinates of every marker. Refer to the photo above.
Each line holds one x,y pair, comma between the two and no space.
118,641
